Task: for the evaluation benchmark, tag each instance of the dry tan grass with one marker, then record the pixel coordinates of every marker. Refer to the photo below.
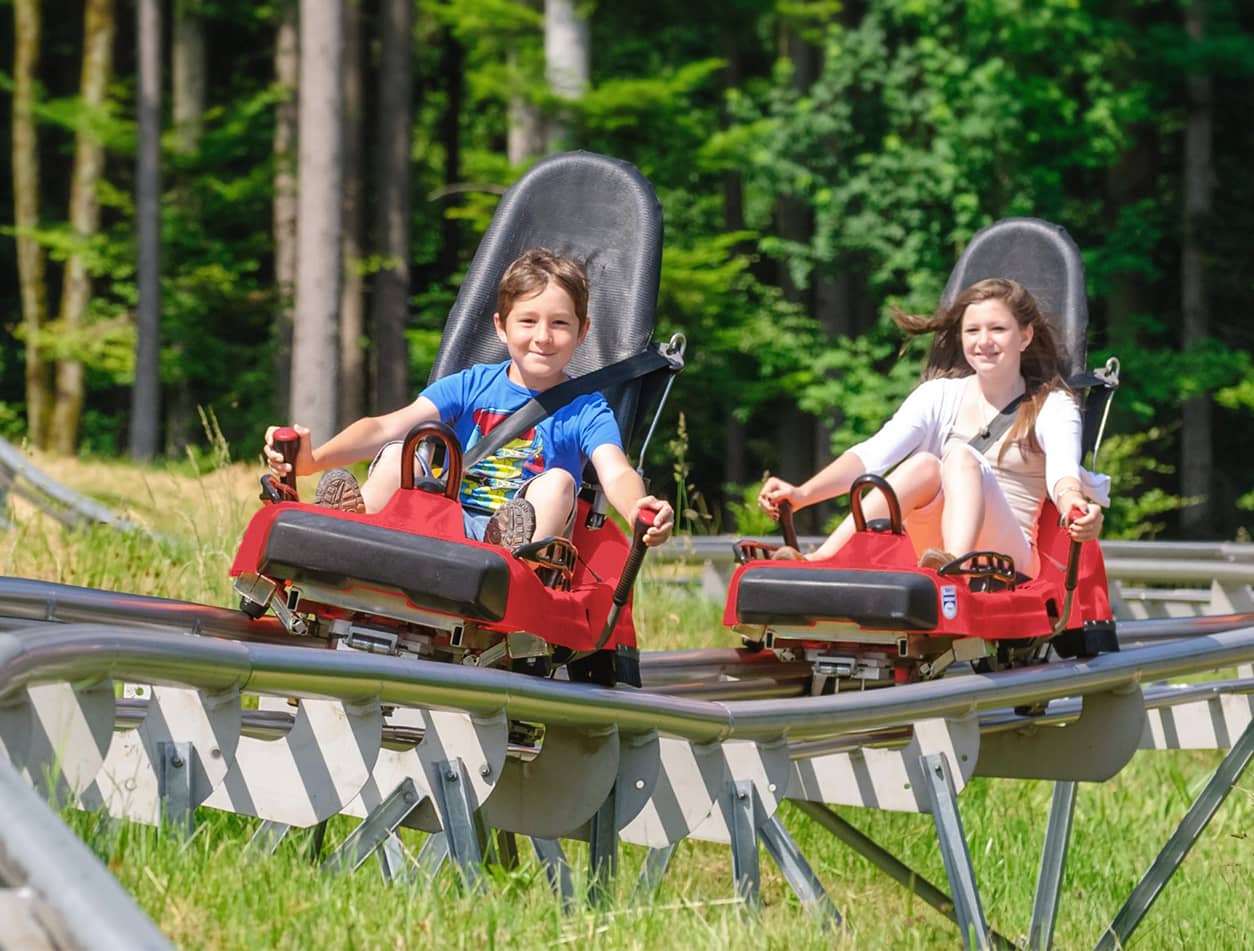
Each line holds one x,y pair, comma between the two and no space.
197,519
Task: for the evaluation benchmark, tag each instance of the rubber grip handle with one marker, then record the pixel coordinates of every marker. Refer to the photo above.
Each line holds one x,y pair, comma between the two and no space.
1073,555
287,441
786,525
644,521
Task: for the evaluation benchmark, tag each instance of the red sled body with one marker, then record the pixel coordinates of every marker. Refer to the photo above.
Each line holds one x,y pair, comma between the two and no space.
408,577
406,580
870,614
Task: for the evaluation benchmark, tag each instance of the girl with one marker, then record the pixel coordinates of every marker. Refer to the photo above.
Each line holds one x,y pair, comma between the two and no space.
991,348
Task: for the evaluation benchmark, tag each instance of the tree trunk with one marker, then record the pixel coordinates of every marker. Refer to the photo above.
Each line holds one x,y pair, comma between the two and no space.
453,69
146,393
395,137
1131,180
566,59
1196,443
98,29
30,255
315,334
286,70
352,403
190,77
803,438
525,139
190,88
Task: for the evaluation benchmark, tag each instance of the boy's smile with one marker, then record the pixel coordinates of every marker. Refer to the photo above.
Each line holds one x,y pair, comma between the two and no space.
541,334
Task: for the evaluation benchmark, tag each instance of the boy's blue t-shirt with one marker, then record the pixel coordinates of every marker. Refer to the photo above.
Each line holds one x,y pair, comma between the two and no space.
475,400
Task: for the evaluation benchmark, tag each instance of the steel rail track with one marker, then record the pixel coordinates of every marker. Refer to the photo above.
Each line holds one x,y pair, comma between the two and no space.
79,653
699,696
680,672
272,724
718,549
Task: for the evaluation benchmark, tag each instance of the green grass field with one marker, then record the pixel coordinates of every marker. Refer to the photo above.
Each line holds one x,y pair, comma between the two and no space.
209,892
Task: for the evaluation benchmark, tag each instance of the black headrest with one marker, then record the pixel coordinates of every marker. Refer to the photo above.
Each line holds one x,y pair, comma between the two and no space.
1043,258
589,207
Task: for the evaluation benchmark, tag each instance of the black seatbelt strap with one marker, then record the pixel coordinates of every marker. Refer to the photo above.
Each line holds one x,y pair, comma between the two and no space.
648,361
982,441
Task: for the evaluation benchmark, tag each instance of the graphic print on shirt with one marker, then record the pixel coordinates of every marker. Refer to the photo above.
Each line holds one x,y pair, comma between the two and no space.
492,482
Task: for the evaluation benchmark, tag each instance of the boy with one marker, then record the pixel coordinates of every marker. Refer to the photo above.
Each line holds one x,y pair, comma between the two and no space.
527,489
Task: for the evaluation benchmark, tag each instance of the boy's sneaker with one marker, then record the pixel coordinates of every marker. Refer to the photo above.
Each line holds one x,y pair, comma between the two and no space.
512,525
338,489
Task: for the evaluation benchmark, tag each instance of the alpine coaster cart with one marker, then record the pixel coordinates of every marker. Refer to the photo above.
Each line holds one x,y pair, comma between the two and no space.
406,580
870,615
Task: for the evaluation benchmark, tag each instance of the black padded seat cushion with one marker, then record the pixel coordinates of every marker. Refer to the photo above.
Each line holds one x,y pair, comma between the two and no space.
896,600
463,580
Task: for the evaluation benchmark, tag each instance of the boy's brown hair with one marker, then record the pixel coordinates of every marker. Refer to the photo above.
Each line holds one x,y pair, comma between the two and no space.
531,272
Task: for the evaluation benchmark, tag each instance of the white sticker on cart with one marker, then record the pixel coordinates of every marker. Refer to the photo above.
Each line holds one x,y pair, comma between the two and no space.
949,601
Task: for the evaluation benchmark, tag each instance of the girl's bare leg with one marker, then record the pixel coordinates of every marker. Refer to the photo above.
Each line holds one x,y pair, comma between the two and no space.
915,482
962,480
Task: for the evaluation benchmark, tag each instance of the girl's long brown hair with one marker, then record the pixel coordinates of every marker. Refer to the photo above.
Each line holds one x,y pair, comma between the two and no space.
1042,363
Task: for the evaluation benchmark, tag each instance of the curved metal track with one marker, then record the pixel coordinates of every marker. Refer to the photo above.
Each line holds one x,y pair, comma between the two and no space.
429,744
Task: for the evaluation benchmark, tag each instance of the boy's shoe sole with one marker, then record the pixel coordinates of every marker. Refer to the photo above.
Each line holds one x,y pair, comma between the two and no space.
512,526
338,489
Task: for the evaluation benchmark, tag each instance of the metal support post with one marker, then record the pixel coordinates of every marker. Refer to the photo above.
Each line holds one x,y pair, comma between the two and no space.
556,869
1181,841
953,846
741,816
174,785
791,863
433,854
395,864
887,863
459,820
505,849
268,836
375,829
796,870
603,851
1053,866
655,864
317,839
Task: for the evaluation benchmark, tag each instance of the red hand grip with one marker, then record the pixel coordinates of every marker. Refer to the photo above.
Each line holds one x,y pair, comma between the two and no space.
647,516
287,441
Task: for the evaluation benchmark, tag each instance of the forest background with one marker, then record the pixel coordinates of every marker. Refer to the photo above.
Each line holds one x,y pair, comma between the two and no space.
196,247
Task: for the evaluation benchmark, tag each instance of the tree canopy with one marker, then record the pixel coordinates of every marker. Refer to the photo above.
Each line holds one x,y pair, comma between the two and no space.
817,162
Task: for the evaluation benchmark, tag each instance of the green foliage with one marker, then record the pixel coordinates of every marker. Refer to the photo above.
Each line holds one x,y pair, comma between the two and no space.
1137,504
12,422
816,161
748,519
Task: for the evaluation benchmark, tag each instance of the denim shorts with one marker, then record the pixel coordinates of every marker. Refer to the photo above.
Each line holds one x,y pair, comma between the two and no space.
474,521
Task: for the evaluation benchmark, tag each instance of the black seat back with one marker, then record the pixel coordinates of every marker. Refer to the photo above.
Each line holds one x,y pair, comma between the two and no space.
1044,259
596,209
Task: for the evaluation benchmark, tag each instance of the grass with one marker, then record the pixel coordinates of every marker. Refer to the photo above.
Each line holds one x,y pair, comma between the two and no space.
210,892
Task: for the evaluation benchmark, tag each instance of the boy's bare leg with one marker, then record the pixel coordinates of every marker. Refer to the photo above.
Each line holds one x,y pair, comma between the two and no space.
552,495
963,516
915,483
384,479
